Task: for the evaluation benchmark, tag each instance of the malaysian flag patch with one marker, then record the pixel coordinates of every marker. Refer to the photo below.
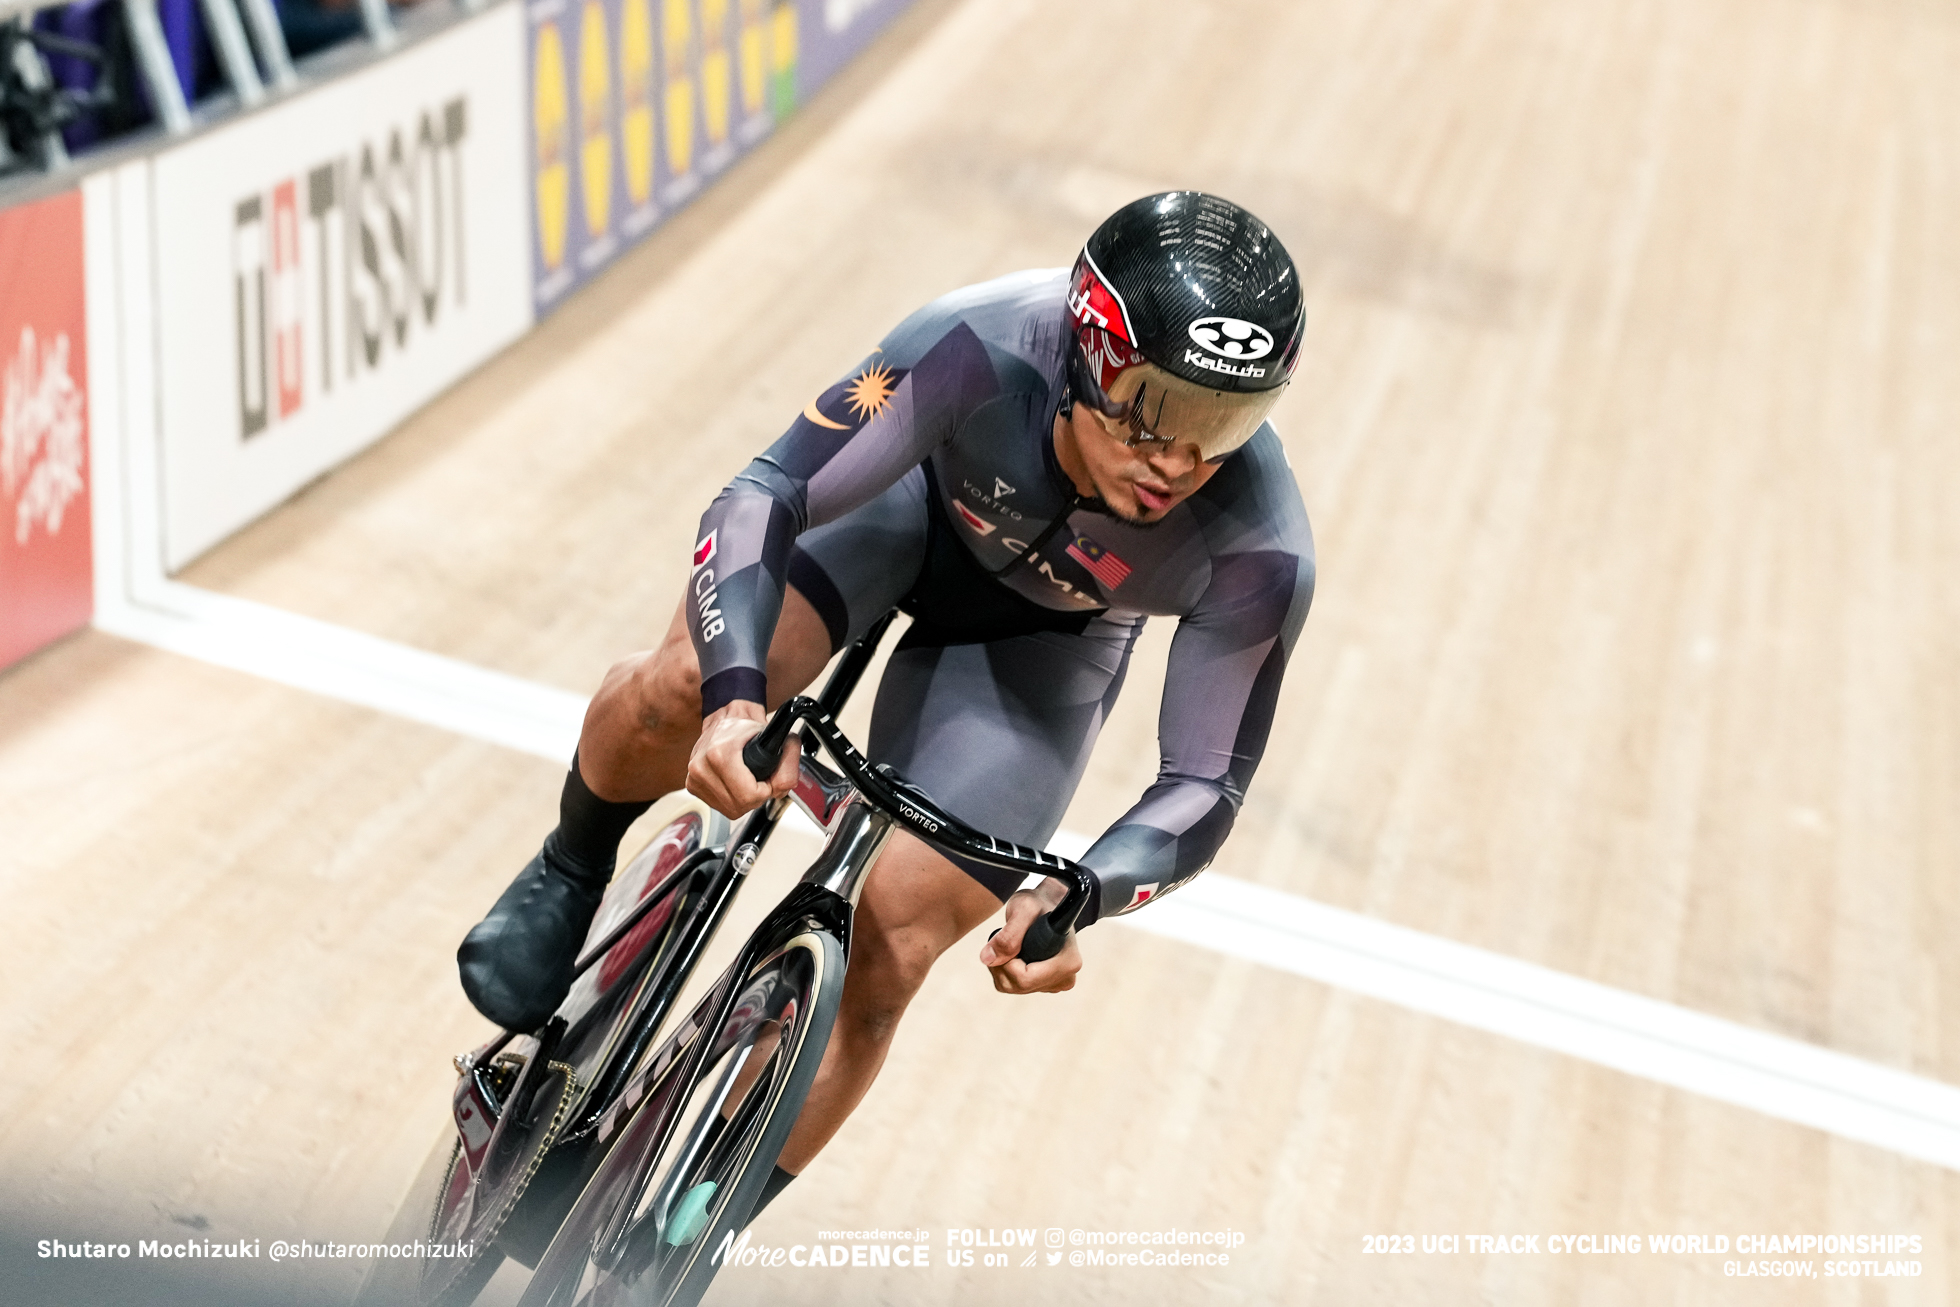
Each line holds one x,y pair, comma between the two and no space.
1106,567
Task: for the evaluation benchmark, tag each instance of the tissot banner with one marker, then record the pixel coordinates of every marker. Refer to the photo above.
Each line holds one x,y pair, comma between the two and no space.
324,268
636,104
45,574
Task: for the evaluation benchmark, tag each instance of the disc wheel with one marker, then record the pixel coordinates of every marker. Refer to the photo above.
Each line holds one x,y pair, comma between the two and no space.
392,1281
688,1169
446,1203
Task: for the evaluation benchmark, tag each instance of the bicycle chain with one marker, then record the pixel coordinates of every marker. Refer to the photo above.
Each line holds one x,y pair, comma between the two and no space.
518,1186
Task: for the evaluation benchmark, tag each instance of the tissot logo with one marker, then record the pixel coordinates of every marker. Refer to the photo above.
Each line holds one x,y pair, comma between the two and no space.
1232,338
351,260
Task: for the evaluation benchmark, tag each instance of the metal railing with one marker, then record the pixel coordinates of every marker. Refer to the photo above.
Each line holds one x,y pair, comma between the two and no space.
245,35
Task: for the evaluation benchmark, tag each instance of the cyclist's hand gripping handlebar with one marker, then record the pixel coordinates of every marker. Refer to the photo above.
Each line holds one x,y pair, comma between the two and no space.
1040,941
764,751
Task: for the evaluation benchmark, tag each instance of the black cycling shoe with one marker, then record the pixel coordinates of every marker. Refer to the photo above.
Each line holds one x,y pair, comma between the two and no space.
516,963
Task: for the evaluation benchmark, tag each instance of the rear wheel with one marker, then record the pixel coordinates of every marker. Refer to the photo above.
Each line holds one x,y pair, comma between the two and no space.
447,1204
392,1281
450,1209
656,1220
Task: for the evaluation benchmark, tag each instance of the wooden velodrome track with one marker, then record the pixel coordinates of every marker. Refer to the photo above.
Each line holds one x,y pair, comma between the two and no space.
1626,422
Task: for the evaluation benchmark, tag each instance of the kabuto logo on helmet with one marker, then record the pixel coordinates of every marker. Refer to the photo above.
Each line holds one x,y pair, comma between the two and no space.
1232,338
1185,312
1206,291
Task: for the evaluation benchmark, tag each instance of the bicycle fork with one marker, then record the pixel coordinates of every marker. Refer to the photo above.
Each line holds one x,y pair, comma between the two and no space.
828,893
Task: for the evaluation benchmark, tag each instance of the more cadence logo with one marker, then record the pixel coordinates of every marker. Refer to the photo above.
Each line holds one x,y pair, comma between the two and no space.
347,263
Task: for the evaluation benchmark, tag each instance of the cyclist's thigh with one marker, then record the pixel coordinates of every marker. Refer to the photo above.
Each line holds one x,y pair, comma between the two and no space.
1000,732
855,570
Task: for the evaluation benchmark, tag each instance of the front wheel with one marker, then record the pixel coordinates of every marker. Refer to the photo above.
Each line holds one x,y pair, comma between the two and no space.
656,1221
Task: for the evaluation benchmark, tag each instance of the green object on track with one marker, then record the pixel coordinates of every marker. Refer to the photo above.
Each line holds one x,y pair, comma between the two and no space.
690,1215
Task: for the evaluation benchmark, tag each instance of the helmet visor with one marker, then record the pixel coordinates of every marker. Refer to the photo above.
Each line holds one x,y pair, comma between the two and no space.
1140,403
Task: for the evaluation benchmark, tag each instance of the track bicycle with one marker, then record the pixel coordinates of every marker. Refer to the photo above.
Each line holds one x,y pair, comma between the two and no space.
619,1154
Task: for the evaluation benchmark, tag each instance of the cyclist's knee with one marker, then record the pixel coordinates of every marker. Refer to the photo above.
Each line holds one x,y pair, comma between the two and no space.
874,1016
887,969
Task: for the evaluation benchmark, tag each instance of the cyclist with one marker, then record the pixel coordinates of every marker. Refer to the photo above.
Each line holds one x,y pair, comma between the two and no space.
1029,468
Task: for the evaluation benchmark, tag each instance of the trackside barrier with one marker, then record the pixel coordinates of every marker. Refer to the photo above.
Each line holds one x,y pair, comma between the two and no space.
331,266
636,105
220,317
45,562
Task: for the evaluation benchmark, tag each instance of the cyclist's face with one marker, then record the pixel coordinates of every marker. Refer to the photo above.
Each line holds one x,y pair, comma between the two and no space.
1140,482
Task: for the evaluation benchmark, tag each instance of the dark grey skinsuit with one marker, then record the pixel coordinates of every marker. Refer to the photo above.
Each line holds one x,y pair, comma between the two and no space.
931,467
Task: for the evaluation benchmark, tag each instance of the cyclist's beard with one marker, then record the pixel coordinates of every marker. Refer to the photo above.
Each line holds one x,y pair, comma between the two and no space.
1107,509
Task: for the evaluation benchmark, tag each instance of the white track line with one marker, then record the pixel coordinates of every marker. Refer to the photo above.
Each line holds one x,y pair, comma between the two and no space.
1731,1063
344,664
1723,1060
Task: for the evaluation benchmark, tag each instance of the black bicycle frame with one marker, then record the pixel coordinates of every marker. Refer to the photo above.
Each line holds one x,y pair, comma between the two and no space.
719,886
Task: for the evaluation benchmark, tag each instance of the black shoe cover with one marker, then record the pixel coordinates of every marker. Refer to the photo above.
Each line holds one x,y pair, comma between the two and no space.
516,963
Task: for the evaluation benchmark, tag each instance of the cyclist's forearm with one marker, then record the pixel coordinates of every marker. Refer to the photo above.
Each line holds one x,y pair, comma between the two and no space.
1171,835
1221,691
735,590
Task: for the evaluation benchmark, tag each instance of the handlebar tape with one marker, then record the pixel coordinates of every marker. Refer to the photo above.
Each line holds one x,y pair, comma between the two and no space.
764,751
1042,941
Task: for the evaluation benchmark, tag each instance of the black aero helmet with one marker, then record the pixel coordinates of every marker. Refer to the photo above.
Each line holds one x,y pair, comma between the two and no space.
1186,315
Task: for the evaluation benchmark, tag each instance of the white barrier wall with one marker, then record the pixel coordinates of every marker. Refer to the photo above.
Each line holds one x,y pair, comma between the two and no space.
267,298
327,266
